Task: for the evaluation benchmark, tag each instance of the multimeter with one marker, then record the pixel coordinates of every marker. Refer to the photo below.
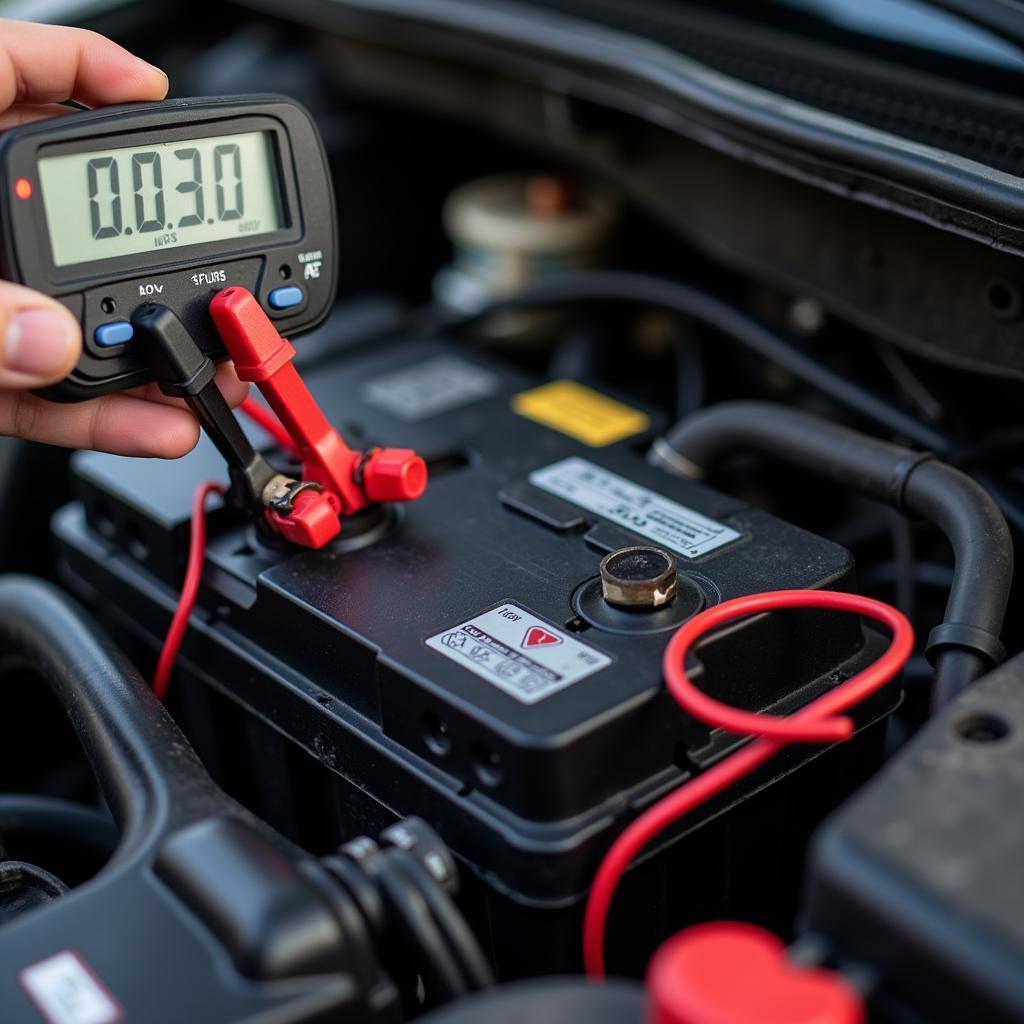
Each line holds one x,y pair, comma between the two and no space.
108,210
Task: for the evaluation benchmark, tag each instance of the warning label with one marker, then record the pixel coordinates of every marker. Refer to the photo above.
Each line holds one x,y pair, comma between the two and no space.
494,646
430,387
581,412
666,522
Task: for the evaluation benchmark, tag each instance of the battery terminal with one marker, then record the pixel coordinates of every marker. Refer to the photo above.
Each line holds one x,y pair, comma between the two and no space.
336,480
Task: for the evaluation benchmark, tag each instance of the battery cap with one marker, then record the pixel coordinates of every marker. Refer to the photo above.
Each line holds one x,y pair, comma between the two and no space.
394,474
726,972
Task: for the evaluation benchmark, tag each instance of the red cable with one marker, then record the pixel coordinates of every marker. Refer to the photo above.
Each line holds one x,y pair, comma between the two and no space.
821,721
267,421
189,590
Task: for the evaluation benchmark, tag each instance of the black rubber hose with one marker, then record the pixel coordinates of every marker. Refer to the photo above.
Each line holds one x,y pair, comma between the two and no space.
625,286
80,827
591,286
916,484
149,775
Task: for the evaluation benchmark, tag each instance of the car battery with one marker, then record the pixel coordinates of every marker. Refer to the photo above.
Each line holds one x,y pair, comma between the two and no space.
459,659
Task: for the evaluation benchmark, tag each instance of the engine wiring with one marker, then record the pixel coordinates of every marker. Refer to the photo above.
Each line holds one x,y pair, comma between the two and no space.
820,721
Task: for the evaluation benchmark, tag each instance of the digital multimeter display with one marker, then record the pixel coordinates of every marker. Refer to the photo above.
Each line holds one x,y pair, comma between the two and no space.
110,209
114,202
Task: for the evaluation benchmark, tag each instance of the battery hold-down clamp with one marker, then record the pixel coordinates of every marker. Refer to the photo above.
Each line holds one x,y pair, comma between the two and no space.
337,481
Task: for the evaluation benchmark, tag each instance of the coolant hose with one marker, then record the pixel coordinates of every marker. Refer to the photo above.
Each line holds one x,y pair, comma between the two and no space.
966,644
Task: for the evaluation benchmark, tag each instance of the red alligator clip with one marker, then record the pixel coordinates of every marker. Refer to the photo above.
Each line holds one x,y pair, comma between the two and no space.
356,479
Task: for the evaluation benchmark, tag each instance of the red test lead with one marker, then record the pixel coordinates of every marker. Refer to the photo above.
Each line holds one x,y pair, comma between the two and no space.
263,357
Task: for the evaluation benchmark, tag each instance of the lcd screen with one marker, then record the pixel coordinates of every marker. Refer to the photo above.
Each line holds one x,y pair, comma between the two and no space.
145,199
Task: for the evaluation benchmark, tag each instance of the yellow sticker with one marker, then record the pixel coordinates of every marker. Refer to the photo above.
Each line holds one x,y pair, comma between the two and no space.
580,412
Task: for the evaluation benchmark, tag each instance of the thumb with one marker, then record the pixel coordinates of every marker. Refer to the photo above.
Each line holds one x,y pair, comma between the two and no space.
40,341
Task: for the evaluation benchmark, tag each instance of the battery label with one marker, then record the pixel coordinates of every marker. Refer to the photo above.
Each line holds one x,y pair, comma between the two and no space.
430,387
519,653
666,522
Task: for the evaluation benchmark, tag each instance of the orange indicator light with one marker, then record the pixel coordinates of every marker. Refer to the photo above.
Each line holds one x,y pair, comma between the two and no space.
23,188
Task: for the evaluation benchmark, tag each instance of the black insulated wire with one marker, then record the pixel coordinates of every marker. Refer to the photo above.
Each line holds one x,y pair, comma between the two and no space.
966,644
452,925
418,934
408,908
626,286
155,785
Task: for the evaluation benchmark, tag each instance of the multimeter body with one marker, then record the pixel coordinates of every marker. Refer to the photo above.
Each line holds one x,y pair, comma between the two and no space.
170,202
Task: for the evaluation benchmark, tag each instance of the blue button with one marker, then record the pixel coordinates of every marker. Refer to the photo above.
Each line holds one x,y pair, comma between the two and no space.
116,333
285,298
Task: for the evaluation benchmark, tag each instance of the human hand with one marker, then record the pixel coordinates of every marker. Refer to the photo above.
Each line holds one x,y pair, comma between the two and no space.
40,341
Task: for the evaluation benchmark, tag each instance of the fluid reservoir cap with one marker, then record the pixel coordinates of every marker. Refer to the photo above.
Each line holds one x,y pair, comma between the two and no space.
638,577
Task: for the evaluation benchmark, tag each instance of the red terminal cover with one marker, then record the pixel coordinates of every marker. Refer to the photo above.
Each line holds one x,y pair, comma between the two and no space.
312,522
731,973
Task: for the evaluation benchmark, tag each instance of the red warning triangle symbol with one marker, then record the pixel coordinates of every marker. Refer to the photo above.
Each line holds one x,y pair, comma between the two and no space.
537,637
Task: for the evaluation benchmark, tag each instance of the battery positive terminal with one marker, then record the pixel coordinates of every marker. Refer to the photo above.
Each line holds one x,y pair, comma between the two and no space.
336,480
262,356
638,577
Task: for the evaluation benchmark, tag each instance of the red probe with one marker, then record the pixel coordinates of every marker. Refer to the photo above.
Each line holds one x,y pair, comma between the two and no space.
821,721
262,356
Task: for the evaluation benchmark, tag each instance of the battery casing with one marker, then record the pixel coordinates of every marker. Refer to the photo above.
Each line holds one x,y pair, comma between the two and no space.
316,686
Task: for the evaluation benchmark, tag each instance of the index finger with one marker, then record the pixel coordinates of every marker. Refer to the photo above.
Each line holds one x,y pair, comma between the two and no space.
50,64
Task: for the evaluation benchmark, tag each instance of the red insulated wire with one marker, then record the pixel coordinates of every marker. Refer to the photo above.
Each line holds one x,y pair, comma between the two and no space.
267,421
821,721
189,590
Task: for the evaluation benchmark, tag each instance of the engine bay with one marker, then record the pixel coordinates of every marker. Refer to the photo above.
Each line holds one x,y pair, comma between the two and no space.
683,687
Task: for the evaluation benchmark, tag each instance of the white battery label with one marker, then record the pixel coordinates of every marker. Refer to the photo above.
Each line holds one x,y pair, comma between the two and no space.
519,653
666,522
430,387
65,991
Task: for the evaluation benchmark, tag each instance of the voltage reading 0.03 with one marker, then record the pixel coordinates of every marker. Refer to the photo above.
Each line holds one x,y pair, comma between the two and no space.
130,200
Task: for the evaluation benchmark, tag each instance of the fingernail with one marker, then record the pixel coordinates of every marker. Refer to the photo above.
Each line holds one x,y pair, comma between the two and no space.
37,342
